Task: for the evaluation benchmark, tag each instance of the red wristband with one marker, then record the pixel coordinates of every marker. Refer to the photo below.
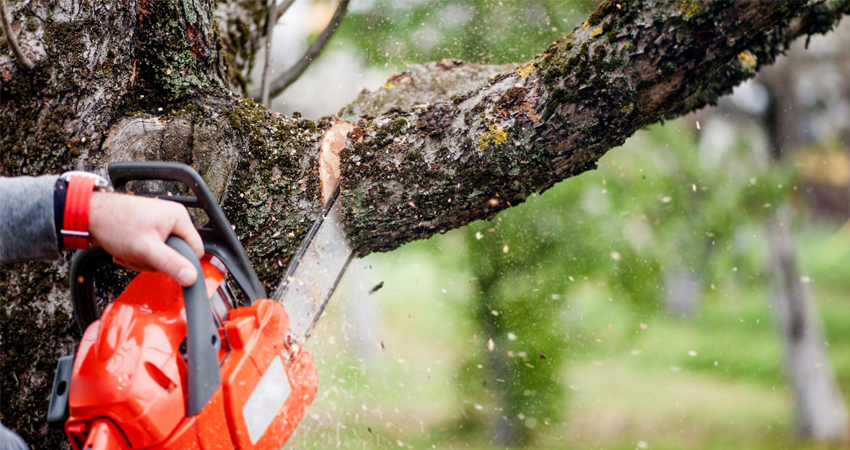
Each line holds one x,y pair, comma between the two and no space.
75,227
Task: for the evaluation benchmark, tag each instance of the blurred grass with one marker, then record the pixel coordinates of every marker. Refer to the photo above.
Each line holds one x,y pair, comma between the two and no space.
711,382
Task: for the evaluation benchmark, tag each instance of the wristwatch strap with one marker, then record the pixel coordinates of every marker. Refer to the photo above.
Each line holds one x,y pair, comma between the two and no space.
75,226
75,220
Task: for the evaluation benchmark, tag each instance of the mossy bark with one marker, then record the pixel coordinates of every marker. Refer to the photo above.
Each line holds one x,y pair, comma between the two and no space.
149,79
408,174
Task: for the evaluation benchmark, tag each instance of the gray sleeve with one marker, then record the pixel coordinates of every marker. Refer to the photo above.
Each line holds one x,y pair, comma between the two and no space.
27,229
9,440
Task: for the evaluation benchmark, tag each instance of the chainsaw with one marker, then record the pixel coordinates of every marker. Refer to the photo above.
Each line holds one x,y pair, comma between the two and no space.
165,367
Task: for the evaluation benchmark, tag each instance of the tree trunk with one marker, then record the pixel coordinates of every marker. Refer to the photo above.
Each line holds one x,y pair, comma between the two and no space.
501,381
682,290
819,405
820,411
503,427
121,79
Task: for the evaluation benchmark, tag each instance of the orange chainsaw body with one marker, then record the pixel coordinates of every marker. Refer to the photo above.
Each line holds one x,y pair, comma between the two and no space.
128,384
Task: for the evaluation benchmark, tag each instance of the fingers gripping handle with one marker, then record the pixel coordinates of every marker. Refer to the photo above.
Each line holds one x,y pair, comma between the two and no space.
202,339
219,238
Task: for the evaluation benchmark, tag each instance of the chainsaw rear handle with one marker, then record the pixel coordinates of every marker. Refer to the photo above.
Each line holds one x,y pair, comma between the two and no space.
202,338
219,238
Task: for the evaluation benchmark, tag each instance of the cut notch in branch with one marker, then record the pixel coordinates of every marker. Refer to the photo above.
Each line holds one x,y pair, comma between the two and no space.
12,39
332,143
293,73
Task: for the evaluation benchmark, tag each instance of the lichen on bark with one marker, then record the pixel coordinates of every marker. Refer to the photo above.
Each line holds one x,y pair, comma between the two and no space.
626,67
278,196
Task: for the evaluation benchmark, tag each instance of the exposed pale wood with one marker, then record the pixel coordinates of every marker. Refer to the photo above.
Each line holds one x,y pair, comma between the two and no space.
332,143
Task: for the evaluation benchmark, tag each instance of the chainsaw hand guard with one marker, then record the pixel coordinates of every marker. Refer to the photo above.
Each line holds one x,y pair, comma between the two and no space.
219,238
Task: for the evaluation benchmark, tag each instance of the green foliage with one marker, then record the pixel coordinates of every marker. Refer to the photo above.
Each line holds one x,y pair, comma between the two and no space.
654,207
609,238
399,33
625,382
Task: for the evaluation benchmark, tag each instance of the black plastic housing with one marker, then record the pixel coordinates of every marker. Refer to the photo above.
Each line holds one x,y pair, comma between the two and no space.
202,341
57,411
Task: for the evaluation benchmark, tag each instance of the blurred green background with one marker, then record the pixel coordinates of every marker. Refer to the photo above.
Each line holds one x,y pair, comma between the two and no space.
630,307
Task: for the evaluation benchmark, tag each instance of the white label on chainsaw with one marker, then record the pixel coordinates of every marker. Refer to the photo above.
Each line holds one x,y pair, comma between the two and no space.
266,400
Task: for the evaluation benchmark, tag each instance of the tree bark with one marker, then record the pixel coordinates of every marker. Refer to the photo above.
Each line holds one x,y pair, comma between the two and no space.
122,79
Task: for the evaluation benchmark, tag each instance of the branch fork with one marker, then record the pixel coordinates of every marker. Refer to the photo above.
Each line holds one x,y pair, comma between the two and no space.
273,88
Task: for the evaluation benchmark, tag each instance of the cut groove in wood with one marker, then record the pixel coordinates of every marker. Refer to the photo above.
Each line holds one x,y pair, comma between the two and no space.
332,143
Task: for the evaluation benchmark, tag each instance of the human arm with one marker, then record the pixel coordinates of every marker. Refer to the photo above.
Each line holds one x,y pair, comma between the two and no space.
27,226
132,229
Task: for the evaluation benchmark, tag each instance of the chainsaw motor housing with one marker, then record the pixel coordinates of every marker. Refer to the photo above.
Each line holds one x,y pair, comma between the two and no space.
165,367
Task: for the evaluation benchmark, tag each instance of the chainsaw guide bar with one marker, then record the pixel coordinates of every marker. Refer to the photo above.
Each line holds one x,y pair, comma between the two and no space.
315,270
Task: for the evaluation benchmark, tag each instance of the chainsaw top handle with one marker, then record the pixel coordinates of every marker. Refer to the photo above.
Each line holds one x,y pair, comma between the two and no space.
219,238
202,340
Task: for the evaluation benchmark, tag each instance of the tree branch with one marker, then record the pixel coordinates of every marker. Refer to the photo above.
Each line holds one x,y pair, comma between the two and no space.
270,23
12,39
409,174
282,8
293,73
820,19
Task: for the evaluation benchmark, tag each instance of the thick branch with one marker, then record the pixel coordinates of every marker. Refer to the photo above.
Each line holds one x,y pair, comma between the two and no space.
293,73
409,174
820,19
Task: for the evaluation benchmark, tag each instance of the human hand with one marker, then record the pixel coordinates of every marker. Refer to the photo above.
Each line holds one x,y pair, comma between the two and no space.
133,230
